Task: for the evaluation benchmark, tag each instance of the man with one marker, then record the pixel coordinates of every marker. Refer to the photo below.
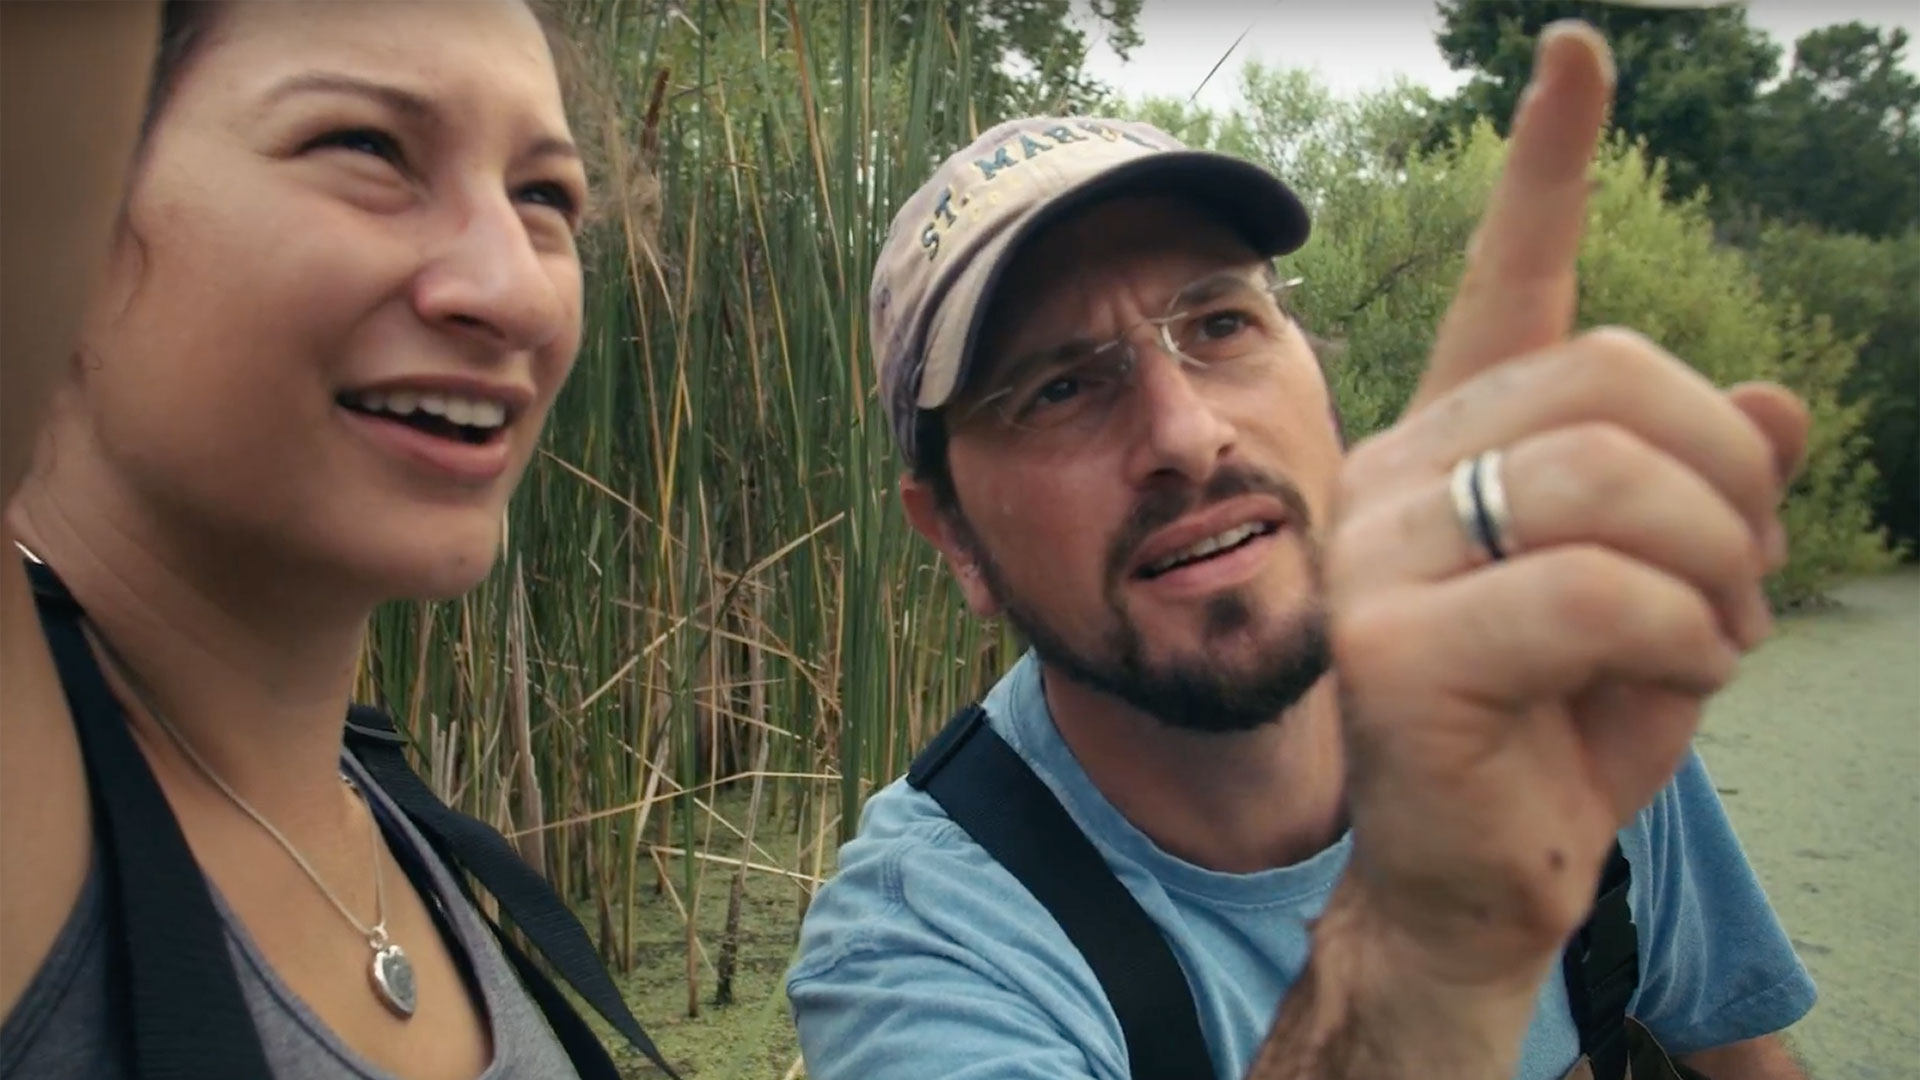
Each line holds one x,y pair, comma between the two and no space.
1120,441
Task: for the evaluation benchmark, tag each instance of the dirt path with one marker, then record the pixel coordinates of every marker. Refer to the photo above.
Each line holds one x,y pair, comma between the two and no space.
1816,752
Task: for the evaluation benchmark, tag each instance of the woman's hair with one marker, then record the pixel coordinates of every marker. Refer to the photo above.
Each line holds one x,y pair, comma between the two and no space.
610,152
184,26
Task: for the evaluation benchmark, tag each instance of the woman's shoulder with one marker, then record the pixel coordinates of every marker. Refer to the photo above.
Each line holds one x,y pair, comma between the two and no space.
46,844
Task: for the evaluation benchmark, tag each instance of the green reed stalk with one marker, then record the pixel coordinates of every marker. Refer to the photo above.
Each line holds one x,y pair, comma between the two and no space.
706,576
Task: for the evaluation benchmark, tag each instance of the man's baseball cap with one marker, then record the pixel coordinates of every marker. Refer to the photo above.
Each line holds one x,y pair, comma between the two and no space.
952,240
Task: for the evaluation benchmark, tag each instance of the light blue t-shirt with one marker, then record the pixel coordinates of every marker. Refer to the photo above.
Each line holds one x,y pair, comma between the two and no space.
923,959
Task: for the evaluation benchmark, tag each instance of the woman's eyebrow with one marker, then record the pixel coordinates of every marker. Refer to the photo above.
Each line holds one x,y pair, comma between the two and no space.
412,105
400,100
553,146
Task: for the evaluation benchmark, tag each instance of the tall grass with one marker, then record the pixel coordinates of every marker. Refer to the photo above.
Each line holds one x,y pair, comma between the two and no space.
706,583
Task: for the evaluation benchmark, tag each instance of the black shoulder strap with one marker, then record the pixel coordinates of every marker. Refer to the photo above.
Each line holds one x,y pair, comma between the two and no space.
589,1056
187,1017
523,894
992,794
1602,969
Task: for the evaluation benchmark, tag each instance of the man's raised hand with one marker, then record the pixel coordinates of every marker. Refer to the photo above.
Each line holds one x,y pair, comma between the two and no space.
1506,715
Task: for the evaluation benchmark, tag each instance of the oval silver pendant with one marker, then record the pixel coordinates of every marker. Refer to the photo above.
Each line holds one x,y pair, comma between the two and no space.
393,978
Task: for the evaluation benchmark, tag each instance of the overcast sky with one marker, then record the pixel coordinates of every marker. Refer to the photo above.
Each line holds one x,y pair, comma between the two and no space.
1361,44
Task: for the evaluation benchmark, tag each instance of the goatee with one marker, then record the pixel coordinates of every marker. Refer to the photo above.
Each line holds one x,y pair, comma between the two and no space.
1198,694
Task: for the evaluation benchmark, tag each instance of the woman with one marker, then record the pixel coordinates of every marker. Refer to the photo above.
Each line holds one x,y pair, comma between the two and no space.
340,293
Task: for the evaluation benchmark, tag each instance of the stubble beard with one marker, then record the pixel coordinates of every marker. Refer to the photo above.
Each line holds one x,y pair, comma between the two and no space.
1193,693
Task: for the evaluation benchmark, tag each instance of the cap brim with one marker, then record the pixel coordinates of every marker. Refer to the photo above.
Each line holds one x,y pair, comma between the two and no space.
1243,196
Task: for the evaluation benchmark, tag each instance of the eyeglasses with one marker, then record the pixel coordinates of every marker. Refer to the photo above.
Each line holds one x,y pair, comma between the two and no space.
1221,326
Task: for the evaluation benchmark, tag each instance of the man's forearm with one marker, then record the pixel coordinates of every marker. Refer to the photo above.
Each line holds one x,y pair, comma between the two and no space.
1357,1012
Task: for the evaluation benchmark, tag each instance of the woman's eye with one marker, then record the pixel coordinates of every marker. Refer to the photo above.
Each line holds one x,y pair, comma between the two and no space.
371,141
552,194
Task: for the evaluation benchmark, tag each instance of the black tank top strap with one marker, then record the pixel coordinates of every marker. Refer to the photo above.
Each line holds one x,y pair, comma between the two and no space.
186,1016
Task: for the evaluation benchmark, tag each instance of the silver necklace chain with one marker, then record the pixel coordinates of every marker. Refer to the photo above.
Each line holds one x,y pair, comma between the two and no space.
390,972
376,934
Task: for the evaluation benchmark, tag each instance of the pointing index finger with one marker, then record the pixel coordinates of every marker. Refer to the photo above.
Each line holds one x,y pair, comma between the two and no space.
1518,290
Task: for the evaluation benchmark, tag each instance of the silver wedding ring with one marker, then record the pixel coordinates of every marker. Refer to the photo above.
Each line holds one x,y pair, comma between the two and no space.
1480,504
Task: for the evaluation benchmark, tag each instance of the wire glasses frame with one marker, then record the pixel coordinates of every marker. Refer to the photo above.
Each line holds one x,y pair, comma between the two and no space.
1218,319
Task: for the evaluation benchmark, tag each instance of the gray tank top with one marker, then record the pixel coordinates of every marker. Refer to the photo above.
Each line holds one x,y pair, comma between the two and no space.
67,1025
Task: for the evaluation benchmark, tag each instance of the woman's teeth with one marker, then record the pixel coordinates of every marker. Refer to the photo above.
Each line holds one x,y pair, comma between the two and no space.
465,411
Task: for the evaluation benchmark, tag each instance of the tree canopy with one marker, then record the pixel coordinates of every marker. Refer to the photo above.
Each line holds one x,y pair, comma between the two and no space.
1813,170
1831,141
1835,143
1029,54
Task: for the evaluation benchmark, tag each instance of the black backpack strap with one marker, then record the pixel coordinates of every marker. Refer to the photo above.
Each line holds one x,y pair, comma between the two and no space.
524,895
187,1017
1602,969
987,789
584,1048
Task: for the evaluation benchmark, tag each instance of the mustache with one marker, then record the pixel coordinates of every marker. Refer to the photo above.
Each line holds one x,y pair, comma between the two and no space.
1164,506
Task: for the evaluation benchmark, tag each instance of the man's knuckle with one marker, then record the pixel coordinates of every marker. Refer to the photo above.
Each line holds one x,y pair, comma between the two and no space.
1589,591
1607,447
1614,358
1693,623
1620,342
1602,461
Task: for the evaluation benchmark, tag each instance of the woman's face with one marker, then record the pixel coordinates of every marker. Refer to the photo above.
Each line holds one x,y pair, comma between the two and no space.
346,296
